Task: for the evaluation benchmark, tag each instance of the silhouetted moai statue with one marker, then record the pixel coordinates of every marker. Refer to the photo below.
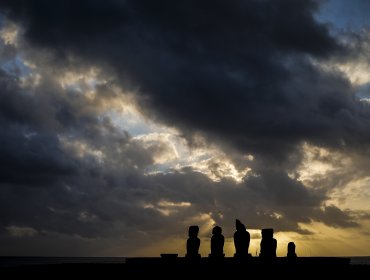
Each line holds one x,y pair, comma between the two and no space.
241,240
291,250
193,243
268,243
217,243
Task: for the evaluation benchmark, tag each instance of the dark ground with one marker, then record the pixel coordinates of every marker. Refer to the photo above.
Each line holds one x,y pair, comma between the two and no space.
181,269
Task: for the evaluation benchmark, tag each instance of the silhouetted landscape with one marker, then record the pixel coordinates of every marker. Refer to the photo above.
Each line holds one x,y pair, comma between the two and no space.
215,266
170,266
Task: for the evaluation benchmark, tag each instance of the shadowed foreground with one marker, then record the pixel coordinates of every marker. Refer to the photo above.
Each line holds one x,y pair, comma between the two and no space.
181,268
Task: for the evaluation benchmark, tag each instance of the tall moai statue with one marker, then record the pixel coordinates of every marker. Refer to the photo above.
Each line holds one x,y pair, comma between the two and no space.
217,243
241,240
193,243
268,244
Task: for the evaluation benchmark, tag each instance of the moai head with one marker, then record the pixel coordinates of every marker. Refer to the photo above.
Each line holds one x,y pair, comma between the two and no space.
239,226
193,231
267,233
217,230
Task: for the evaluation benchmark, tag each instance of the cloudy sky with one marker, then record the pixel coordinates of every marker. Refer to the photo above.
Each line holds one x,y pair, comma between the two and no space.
124,122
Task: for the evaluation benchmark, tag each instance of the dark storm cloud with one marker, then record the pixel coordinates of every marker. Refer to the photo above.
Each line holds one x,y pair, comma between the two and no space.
45,185
26,156
335,217
238,72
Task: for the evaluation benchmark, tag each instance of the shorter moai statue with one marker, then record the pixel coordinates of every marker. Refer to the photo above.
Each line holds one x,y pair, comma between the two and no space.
291,251
268,244
193,243
217,243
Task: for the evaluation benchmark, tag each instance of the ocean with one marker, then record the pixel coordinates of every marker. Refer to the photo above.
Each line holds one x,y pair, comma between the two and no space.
360,260
20,261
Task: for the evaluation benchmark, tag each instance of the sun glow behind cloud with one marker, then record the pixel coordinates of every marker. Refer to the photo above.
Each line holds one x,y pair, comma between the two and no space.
173,153
319,163
320,167
167,208
9,33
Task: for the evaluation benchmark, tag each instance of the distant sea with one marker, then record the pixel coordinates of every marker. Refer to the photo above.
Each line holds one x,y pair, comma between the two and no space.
21,261
360,260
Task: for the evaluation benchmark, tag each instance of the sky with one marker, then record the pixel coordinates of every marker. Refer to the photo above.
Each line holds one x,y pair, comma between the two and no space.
122,123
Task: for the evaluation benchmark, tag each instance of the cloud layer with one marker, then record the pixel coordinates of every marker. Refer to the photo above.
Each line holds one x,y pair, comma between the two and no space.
246,76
